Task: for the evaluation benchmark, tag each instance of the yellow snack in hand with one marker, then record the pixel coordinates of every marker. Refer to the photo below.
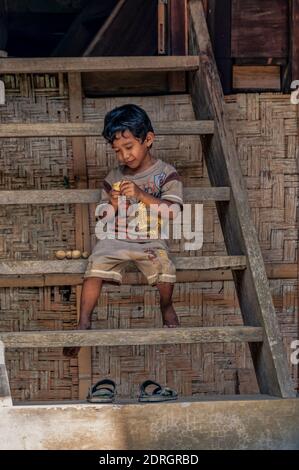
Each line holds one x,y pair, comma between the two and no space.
116,186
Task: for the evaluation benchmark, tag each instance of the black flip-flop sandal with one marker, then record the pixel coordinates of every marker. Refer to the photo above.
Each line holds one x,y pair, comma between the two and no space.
103,391
158,394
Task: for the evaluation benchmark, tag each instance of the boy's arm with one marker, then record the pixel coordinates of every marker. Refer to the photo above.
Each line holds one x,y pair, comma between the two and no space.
171,193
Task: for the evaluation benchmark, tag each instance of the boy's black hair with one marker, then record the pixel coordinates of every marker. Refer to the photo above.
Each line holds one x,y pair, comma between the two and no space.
127,117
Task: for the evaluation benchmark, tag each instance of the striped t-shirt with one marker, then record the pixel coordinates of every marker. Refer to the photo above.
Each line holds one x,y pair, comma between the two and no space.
161,180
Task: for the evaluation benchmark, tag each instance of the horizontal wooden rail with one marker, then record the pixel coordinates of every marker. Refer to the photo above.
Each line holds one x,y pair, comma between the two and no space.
274,271
146,336
85,196
99,64
94,129
8,267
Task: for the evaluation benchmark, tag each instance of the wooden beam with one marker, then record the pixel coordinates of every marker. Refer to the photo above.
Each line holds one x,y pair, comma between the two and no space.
88,196
99,64
177,41
256,77
128,337
86,129
162,49
8,268
294,75
82,231
219,23
224,168
178,27
274,271
294,38
79,162
210,262
5,395
255,24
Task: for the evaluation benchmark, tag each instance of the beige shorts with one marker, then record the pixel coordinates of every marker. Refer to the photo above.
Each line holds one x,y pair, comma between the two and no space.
110,257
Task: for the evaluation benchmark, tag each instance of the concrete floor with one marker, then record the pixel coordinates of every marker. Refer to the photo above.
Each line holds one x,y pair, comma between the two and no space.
242,422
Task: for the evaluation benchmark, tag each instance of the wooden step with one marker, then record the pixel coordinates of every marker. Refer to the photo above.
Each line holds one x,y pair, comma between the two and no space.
129,337
8,268
93,129
85,196
99,64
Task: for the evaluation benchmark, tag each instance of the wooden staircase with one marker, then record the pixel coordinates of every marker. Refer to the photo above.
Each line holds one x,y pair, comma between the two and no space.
261,329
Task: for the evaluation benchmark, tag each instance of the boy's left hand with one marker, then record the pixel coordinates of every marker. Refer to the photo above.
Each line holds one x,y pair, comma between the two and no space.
130,189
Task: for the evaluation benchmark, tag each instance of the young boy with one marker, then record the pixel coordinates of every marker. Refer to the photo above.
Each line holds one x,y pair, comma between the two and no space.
143,179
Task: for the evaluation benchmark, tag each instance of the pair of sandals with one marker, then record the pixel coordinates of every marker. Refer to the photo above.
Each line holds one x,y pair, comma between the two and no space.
104,391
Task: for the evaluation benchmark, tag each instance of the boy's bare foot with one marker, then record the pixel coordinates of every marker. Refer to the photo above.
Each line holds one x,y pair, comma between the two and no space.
73,351
170,318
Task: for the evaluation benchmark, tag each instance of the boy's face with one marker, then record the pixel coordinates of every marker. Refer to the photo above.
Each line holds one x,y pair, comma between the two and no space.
129,150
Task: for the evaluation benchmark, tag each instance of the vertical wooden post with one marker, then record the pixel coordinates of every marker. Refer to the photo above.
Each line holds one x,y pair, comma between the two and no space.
206,6
81,214
294,38
177,41
5,395
294,60
161,27
219,23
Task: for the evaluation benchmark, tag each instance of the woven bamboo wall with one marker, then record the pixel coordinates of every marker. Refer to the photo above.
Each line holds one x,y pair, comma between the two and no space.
265,130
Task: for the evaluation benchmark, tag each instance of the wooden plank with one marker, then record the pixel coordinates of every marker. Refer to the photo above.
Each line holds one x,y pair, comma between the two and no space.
51,196
176,82
281,270
40,280
85,129
219,23
161,27
5,395
210,262
223,166
274,271
294,39
206,6
101,64
98,84
259,29
177,27
86,196
8,268
256,77
82,231
140,336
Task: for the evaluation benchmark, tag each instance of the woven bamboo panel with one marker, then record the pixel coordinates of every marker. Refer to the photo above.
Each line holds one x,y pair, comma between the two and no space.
265,127
267,146
39,373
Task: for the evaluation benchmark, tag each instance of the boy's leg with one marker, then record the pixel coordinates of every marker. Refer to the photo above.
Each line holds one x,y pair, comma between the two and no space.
89,297
169,315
